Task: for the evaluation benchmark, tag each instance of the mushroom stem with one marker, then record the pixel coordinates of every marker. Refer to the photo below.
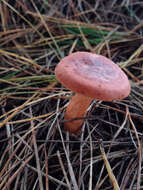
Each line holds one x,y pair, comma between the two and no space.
76,109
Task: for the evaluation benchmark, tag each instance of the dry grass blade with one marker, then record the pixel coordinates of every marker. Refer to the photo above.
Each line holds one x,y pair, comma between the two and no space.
139,149
10,180
63,169
109,169
26,60
16,111
71,172
36,153
91,162
46,166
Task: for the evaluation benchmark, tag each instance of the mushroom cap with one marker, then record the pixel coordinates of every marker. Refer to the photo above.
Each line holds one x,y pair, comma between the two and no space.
93,75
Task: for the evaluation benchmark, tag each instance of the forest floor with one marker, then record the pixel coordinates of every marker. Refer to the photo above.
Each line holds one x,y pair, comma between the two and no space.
35,151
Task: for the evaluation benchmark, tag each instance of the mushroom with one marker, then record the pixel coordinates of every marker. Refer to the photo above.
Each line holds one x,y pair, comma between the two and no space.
90,76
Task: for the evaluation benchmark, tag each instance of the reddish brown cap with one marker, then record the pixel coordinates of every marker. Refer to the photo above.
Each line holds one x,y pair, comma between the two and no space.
93,75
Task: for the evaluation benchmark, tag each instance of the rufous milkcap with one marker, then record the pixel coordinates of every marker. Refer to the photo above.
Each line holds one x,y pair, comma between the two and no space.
94,76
